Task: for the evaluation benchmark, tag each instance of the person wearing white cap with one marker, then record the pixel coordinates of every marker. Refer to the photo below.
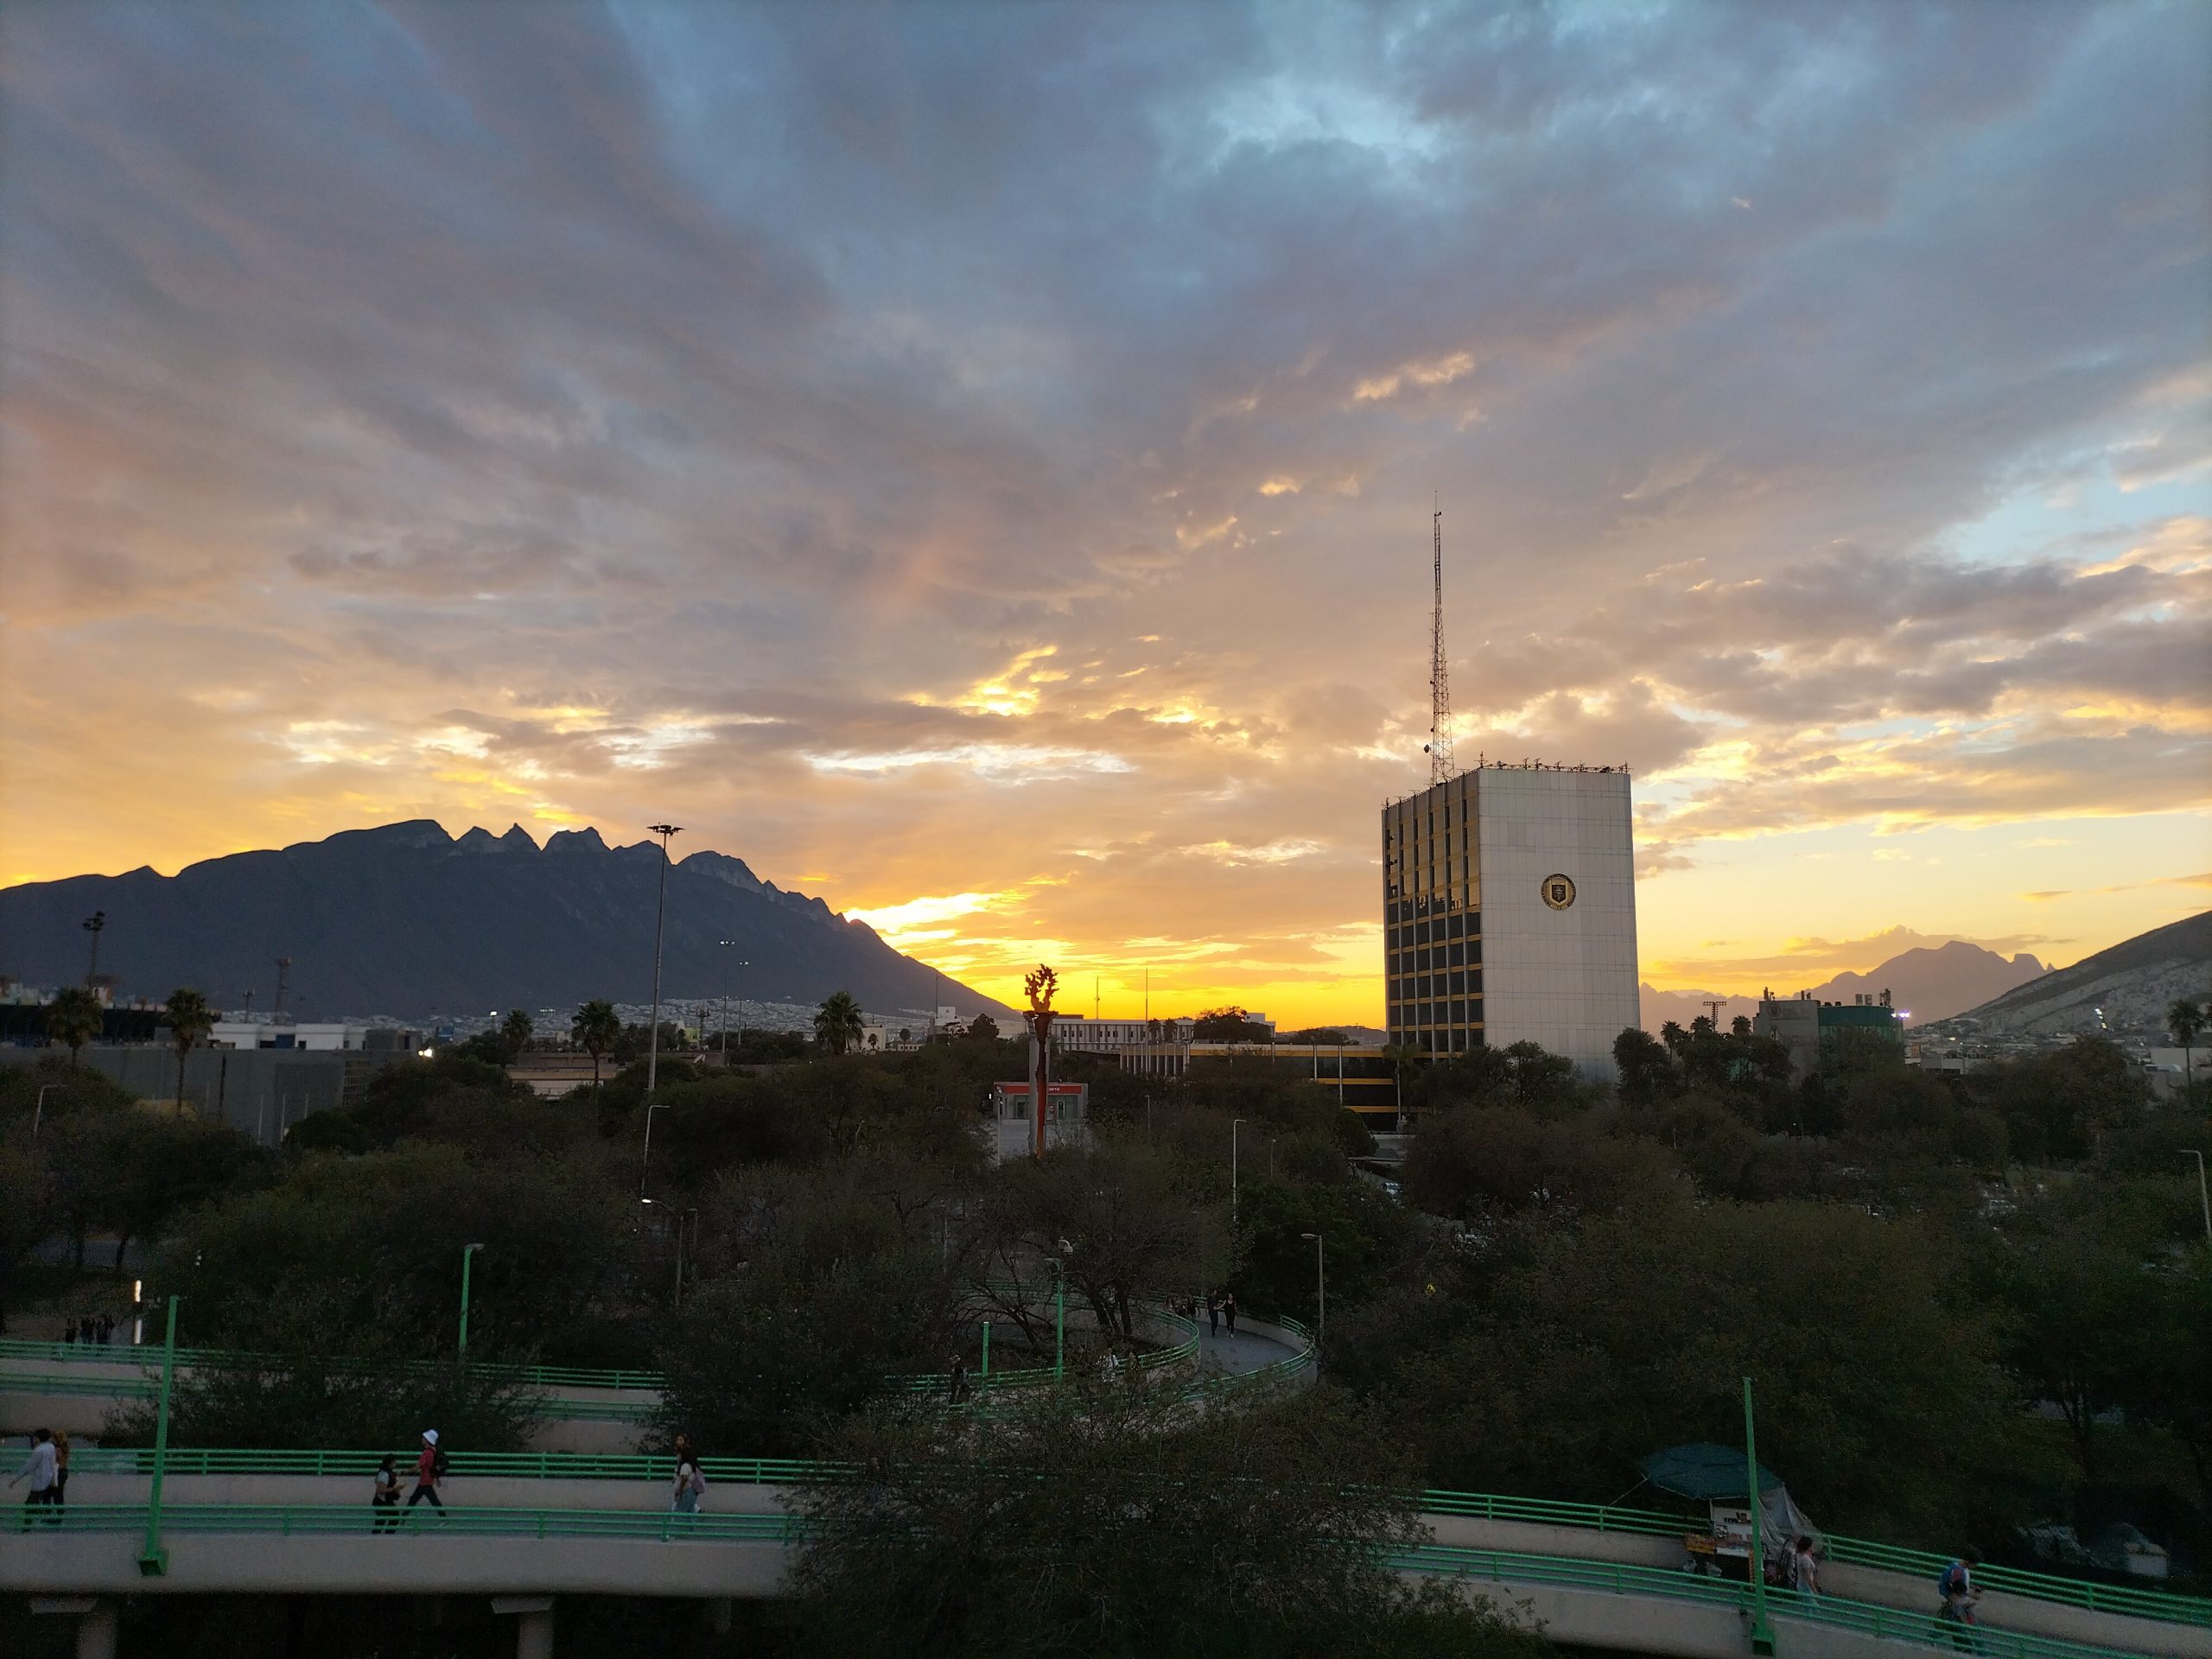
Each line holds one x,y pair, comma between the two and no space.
427,1469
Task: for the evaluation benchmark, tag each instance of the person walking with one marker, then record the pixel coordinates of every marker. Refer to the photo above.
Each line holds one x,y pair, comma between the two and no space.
384,1505
690,1484
959,1386
1213,1316
60,1468
1806,1575
1229,1312
429,1468
1956,1587
38,1469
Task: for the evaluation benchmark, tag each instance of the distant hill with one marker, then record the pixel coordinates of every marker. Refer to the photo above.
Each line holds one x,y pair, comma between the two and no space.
1933,983
2134,983
407,921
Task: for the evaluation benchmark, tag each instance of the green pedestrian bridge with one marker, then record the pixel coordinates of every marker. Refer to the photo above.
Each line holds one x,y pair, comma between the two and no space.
525,1528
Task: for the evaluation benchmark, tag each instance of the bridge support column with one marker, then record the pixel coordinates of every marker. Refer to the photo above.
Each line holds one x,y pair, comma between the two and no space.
96,1622
533,1623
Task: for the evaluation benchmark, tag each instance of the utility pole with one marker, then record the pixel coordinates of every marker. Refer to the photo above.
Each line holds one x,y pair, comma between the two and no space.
726,944
1440,677
1762,1628
93,924
667,832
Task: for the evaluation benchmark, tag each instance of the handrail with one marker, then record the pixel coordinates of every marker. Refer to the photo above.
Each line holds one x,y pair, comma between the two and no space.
1923,1628
529,1465
550,1377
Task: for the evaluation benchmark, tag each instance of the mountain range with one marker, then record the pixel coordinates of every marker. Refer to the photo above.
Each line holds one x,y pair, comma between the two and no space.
408,921
1933,983
2127,987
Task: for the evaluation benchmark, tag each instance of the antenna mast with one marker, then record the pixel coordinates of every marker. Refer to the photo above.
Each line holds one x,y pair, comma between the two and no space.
1439,683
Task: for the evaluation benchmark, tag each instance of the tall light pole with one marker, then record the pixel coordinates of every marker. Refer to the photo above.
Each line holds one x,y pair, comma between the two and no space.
667,832
2201,1197
38,1111
1235,1124
726,966
467,1252
1762,1628
93,924
153,1559
1320,1294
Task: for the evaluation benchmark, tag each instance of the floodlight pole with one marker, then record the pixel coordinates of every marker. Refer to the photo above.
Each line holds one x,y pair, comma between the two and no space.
462,1350
1761,1629
667,832
154,1559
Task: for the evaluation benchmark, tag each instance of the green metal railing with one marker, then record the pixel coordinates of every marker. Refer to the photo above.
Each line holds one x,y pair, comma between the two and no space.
290,1520
1501,1567
543,1376
1923,1628
2021,1581
525,1465
1553,1512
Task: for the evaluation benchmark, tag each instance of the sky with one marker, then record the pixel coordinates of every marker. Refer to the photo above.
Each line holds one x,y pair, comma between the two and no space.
976,462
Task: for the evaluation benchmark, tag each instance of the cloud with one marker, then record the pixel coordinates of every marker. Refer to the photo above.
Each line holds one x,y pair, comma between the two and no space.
992,452
2203,878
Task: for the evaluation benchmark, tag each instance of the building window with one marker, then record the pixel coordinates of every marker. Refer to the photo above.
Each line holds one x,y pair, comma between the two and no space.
1474,953
1475,981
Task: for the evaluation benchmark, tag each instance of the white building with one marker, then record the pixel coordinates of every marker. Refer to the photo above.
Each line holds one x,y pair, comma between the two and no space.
267,1034
1012,1131
1509,912
1109,1036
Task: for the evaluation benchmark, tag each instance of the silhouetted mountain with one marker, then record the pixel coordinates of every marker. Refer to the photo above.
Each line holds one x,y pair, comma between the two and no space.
2135,983
406,920
1933,983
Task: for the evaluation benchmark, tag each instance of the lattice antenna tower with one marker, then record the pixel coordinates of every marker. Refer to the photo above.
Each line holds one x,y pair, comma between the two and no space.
1440,674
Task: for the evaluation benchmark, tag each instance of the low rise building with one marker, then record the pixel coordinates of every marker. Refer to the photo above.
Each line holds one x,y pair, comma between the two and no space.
1819,1034
1011,1131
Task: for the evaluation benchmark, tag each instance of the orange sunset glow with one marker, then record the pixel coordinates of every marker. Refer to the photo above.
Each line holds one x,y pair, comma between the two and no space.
986,481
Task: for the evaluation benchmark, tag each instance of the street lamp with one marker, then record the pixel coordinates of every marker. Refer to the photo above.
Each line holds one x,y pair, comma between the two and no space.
692,1217
726,944
467,1252
93,924
38,1111
667,832
1320,1293
2202,1198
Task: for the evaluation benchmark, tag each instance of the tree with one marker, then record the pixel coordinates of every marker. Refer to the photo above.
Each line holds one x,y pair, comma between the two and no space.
1647,1070
594,1030
1740,1025
190,1020
982,1029
1674,1036
837,1025
73,1019
2185,1020
1228,1025
26,1211
514,1033
1107,1521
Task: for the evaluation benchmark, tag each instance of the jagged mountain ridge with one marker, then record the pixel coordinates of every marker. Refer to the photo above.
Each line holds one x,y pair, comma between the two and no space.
1933,982
407,920
2134,982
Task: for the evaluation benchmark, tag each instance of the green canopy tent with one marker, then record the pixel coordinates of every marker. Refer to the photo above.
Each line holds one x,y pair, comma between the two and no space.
1715,1476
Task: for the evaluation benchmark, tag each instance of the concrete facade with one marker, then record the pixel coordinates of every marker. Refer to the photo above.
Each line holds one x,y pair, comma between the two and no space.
1510,913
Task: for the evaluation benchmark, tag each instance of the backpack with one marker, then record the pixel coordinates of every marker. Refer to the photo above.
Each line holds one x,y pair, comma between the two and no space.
1949,1579
698,1480
439,1463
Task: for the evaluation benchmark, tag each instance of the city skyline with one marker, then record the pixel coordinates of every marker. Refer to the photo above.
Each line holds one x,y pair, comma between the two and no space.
980,474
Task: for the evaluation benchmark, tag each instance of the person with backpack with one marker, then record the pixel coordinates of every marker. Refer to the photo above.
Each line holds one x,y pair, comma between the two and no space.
1956,1587
383,1504
429,1470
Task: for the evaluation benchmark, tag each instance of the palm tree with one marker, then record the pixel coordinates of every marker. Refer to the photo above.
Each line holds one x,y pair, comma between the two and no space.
1404,1058
73,1019
594,1030
2186,1020
1674,1036
1740,1025
514,1031
837,1022
190,1019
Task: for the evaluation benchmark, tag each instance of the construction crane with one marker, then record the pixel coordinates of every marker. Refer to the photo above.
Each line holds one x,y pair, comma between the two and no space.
1440,681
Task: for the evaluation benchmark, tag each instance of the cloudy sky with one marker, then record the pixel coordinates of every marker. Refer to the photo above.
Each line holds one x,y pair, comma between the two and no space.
975,462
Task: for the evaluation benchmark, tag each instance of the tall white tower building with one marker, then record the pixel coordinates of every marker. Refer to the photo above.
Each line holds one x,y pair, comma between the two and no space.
1509,912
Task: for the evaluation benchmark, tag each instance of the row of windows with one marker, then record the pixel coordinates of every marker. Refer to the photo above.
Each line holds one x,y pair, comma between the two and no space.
1467,982
1462,924
1451,1011
1468,954
1430,908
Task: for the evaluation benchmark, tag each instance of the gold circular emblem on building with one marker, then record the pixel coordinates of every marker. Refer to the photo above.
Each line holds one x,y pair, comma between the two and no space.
1559,891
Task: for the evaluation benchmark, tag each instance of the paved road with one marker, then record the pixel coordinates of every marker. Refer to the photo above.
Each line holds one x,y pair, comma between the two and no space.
1240,1353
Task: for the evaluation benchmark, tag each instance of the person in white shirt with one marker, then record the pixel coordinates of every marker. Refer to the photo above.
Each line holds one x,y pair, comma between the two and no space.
38,1469
1806,1577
